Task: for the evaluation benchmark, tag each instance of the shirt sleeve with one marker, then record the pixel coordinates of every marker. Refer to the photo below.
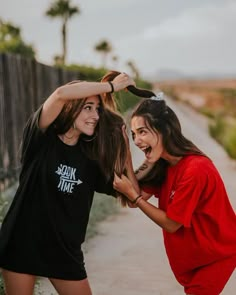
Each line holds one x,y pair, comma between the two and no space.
32,137
151,190
188,190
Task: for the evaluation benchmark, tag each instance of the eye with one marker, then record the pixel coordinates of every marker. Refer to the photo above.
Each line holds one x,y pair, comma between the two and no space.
133,136
142,132
88,107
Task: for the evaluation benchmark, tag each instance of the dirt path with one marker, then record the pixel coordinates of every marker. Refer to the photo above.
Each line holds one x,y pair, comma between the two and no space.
128,257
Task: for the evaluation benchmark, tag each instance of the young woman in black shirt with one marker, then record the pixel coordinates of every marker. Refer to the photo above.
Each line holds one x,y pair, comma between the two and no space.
71,147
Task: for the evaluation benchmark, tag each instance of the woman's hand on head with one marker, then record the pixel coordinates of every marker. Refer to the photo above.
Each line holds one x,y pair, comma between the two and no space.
122,81
124,186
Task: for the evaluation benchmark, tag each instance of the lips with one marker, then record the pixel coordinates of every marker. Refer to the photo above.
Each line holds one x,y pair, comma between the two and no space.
91,124
146,149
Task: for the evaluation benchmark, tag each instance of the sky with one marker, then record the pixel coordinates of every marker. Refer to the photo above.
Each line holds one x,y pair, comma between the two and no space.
161,37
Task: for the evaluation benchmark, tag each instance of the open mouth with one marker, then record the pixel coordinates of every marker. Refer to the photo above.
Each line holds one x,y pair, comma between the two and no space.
147,150
91,124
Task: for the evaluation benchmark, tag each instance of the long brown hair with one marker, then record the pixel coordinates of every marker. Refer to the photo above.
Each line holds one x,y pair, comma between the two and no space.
161,118
107,145
114,150
120,149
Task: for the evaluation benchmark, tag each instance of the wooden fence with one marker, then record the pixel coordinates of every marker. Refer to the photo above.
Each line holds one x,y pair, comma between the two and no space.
24,85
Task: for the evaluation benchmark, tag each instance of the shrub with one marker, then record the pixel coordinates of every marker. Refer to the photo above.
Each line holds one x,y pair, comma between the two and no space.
224,131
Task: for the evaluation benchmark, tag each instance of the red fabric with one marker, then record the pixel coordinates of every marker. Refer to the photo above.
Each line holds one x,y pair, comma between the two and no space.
210,279
194,195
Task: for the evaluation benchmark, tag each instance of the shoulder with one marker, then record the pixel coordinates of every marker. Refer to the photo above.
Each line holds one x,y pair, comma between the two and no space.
198,167
196,162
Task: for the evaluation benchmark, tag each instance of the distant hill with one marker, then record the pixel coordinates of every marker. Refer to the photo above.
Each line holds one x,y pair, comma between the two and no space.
168,74
213,95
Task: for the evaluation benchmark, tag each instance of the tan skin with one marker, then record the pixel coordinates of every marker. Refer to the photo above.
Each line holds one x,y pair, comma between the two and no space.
85,123
144,137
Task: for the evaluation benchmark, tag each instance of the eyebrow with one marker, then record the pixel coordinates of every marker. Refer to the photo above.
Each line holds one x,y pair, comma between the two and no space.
91,102
139,128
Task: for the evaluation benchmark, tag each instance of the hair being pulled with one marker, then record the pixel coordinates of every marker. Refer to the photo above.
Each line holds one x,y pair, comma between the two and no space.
112,133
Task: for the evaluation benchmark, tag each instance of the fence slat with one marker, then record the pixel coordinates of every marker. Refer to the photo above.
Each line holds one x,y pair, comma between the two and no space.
24,85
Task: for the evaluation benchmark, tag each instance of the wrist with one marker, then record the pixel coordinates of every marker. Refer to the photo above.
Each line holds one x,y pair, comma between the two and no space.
139,200
136,200
112,86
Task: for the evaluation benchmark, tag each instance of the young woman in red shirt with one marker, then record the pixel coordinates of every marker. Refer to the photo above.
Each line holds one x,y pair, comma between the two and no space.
194,211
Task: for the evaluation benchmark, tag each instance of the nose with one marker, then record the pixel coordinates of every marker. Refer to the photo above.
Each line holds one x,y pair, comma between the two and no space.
95,115
137,140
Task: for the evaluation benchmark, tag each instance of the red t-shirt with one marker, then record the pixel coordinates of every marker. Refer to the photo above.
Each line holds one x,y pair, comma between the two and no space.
194,195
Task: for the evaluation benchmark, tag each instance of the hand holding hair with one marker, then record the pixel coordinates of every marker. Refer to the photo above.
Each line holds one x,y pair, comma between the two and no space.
111,76
124,186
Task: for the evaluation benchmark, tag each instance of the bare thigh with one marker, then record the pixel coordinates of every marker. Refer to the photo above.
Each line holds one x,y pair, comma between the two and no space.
65,287
18,283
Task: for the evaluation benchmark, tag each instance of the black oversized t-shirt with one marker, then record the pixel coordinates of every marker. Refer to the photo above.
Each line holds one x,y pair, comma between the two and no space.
47,222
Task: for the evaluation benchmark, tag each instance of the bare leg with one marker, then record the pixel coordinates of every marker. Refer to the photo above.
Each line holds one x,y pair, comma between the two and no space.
65,287
18,283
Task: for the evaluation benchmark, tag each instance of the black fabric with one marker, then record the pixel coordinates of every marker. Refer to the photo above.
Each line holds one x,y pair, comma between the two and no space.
46,224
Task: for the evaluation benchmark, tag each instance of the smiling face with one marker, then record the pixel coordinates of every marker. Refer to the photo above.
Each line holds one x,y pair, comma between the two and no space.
87,119
148,140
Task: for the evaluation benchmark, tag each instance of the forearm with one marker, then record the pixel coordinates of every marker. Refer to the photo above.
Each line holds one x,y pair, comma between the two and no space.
81,90
155,214
158,216
143,170
78,90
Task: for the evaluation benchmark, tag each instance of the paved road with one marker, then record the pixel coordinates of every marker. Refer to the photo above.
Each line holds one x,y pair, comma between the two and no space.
128,257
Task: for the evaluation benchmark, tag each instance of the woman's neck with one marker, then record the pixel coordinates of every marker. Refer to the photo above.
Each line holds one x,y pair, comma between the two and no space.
71,137
172,160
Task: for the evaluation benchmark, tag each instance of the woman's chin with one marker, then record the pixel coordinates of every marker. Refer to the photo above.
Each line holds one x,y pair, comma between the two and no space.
151,159
89,133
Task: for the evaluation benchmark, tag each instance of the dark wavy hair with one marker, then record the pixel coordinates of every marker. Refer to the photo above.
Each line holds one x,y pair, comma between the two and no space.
159,117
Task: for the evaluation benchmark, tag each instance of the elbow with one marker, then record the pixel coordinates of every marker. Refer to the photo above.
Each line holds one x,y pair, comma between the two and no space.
171,229
58,93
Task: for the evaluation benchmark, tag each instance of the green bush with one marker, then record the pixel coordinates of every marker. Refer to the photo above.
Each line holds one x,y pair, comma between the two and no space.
207,112
102,207
217,128
230,142
86,72
224,131
229,96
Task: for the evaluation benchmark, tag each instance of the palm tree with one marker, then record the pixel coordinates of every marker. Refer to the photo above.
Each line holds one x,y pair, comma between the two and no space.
133,68
63,9
115,60
104,47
